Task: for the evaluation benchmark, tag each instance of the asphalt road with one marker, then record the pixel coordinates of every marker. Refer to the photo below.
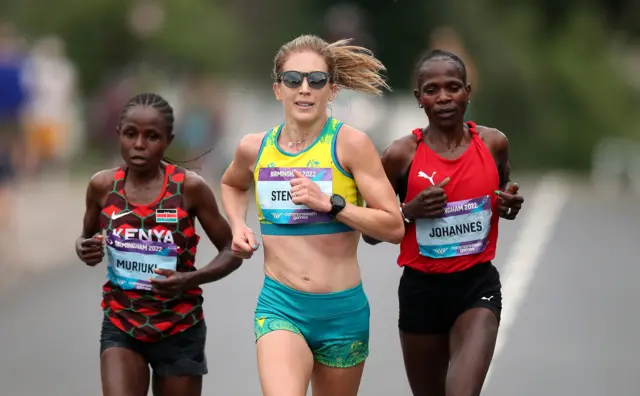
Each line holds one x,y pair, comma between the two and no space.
575,332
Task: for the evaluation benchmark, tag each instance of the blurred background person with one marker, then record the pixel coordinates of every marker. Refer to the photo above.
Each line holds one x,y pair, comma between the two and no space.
50,80
12,98
200,124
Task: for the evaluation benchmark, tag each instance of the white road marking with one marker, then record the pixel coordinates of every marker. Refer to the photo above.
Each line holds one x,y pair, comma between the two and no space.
541,213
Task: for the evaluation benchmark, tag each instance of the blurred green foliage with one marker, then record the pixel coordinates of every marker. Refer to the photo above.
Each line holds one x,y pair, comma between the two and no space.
548,77
554,91
197,35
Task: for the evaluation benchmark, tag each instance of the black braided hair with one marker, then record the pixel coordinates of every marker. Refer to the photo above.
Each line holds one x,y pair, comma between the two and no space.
157,102
438,55
164,108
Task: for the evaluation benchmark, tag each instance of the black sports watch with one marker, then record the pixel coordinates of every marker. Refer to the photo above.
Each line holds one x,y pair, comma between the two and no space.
337,204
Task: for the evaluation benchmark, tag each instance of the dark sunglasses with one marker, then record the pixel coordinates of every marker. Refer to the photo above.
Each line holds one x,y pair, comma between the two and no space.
293,79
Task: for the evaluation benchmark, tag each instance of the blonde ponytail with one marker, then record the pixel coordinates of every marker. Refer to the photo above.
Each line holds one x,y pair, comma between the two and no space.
351,67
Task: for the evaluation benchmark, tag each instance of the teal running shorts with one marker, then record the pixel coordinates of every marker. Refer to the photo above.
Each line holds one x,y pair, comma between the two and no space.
334,325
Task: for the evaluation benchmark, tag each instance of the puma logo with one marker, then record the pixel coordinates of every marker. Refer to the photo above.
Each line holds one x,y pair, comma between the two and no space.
430,178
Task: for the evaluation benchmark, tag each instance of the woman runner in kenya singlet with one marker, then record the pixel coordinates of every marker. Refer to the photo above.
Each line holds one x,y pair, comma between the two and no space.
311,174
453,181
152,300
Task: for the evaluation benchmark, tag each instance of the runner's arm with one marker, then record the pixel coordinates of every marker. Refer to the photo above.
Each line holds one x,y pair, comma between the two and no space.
88,246
502,153
393,161
202,202
238,179
95,195
381,219
498,144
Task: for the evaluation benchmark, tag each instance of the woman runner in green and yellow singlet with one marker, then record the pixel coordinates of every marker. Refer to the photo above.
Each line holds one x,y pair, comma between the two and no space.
311,175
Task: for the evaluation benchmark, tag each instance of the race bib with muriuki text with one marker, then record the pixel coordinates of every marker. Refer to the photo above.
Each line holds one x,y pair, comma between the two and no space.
132,261
274,195
462,230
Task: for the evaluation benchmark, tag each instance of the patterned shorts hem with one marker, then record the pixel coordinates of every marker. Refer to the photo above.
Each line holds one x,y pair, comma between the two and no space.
348,364
259,336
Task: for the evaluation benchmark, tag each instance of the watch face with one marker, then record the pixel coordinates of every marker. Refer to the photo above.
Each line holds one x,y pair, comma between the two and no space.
337,200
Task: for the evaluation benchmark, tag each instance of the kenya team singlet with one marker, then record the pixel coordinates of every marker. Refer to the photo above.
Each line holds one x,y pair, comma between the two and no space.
139,239
467,233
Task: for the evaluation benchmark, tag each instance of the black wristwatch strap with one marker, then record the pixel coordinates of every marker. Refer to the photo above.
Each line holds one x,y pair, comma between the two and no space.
338,203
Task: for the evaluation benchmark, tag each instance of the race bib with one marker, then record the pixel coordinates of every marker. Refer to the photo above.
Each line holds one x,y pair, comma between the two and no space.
132,262
462,230
274,195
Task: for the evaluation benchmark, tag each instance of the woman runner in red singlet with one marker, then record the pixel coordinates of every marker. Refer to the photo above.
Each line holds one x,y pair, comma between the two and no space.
152,300
453,181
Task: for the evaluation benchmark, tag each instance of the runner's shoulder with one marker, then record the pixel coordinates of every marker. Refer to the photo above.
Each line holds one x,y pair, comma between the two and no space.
195,189
249,146
400,151
353,137
102,181
252,140
495,139
354,146
194,182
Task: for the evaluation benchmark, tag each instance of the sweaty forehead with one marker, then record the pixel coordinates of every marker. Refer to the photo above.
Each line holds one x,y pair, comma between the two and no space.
306,61
439,69
143,117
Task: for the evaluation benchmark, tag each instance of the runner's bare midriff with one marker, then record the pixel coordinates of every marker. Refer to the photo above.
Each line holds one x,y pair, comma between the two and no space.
314,263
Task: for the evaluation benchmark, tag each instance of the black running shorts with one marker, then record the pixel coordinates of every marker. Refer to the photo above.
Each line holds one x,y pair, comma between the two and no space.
431,303
181,354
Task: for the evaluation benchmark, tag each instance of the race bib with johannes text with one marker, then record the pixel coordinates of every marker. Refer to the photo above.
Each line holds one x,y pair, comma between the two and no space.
132,261
274,195
462,230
